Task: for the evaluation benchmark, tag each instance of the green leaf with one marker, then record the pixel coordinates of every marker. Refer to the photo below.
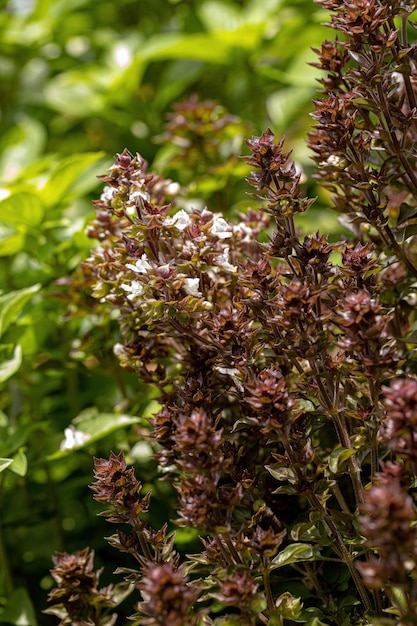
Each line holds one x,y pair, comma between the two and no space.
65,174
410,231
4,464
407,212
22,207
91,426
275,618
306,531
19,610
315,621
282,473
20,464
21,146
10,360
12,303
75,92
10,444
338,457
411,338
11,240
294,553
211,48
287,606
218,16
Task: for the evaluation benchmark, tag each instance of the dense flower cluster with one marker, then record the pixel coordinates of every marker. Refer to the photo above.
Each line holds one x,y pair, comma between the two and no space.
167,598
388,521
118,486
366,122
398,429
283,362
77,600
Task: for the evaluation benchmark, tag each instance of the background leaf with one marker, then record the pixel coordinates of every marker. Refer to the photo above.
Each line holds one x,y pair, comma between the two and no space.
11,305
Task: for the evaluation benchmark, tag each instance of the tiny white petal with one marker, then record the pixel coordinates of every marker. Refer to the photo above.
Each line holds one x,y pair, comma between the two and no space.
334,160
141,266
138,193
191,286
245,232
173,189
108,194
221,228
181,220
222,260
134,289
73,438
118,349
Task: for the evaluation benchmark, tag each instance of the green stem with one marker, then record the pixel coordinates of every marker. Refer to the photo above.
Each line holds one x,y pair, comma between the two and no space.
339,544
267,584
4,560
235,554
355,471
341,499
346,557
342,434
144,545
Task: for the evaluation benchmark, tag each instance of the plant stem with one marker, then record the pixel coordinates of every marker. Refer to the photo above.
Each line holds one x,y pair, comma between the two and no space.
267,584
347,558
4,560
341,548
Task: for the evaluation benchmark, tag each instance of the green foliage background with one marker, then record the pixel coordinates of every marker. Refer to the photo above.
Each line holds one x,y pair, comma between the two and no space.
79,81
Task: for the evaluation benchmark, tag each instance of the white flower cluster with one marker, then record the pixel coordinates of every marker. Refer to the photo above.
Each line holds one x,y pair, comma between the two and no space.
216,229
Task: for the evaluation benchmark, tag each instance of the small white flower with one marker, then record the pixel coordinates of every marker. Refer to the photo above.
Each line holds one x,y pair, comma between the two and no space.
139,193
222,260
141,266
73,438
108,194
118,349
134,289
221,228
181,220
245,232
173,189
334,159
191,286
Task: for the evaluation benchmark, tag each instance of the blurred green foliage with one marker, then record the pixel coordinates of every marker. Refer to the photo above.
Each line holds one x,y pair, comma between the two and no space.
79,81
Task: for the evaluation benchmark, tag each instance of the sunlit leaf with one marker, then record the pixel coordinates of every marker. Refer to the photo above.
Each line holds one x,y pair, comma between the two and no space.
21,146
24,207
12,303
75,93
4,464
294,553
211,48
12,240
91,426
19,610
282,473
338,457
20,464
10,360
219,15
65,174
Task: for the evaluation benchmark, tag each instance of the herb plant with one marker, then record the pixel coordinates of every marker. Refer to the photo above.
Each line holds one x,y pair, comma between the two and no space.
285,363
